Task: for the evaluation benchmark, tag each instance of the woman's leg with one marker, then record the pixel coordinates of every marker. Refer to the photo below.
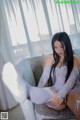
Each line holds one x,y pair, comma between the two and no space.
40,95
43,95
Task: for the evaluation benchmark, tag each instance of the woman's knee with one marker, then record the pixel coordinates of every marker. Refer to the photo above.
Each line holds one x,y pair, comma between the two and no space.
34,96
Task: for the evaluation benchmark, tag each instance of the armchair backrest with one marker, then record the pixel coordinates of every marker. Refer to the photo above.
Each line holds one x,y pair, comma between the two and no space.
37,65
24,68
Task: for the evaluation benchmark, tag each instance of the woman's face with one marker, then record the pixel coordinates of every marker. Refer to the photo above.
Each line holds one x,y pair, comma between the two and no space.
59,48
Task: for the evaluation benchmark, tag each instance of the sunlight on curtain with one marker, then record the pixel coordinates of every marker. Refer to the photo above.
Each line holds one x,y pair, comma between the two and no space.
35,20
53,16
78,11
15,23
17,42
32,23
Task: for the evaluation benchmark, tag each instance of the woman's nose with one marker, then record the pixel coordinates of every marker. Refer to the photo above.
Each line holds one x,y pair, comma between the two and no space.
59,49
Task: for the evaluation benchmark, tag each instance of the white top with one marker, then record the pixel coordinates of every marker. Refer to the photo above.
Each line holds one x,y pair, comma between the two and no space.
59,78
60,75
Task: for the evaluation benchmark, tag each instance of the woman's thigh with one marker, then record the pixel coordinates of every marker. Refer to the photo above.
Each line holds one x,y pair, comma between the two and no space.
41,95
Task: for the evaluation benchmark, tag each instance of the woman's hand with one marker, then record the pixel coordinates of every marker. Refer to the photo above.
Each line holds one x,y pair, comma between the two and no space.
55,100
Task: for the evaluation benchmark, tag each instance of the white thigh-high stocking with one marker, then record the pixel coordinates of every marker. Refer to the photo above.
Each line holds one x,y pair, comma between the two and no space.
40,95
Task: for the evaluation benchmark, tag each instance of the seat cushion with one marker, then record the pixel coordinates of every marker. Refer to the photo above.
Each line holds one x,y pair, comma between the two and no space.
54,114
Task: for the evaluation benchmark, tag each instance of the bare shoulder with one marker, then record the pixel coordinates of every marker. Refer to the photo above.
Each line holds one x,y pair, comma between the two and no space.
76,61
49,61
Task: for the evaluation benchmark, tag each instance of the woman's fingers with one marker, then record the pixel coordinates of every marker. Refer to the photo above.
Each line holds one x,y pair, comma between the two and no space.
52,103
57,100
60,101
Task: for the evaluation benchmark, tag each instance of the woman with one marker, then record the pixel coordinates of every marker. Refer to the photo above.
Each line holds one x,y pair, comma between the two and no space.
59,75
58,78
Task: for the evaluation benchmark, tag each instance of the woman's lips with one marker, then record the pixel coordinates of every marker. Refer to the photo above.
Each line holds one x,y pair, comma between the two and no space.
60,54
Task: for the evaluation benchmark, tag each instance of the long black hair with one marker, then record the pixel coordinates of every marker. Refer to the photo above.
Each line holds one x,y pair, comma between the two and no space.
63,38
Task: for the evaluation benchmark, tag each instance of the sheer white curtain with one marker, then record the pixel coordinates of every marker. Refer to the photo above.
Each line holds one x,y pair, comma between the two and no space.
27,26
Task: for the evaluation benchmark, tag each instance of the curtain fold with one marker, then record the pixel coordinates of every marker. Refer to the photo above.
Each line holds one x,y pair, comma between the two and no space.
27,27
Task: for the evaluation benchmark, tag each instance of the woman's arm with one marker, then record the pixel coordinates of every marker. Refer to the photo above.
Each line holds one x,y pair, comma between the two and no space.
46,72
69,84
58,97
44,77
72,78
